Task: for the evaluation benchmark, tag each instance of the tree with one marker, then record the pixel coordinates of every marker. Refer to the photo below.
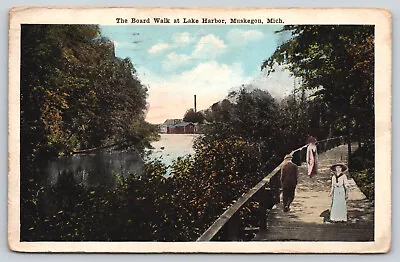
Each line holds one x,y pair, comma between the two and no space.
256,118
75,94
192,116
337,62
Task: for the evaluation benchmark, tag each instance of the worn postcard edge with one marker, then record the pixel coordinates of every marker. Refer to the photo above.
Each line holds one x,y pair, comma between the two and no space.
381,18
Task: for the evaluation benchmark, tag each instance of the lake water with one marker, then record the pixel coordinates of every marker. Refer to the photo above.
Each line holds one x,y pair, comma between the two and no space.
100,168
172,146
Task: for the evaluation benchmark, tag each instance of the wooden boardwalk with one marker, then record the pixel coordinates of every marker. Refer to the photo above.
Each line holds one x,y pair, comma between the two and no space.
308,217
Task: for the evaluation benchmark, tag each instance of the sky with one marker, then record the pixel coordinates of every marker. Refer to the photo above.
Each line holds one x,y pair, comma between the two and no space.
178,62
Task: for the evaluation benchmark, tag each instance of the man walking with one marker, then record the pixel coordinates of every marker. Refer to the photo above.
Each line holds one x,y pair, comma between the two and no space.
289,173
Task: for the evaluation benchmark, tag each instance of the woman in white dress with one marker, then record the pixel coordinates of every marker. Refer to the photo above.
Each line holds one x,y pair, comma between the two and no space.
339,193
312,156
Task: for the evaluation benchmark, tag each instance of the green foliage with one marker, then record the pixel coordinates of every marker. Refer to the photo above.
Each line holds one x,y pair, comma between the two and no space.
219,112
192,116
365,181
363,169
222,170
256,117
337,62
75,94
294,123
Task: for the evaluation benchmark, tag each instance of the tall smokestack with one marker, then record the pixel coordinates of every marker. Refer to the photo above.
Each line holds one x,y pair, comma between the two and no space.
195,107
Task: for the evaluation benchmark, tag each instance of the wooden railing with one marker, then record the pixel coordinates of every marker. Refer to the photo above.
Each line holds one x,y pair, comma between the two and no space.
266,193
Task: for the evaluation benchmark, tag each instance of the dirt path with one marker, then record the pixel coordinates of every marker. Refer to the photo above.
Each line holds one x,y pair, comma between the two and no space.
309,212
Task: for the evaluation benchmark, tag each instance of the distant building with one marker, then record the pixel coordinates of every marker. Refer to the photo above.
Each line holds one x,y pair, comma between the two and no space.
168,124
177,126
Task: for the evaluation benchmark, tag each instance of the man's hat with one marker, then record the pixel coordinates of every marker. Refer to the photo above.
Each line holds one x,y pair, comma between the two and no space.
343,166
288,156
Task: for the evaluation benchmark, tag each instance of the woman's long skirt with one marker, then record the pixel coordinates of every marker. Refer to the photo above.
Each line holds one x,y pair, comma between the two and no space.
339,207
312,168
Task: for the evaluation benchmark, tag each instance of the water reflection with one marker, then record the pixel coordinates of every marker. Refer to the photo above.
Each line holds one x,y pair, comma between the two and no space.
96,169
100,168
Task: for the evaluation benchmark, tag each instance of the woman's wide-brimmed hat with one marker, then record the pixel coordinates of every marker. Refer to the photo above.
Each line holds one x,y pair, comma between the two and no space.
343,166
311,139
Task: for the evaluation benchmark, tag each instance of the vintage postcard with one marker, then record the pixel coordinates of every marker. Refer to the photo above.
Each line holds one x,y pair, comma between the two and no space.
199,130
